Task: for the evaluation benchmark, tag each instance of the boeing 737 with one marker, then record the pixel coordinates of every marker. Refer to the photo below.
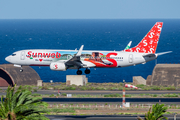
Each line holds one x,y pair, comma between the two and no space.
76,59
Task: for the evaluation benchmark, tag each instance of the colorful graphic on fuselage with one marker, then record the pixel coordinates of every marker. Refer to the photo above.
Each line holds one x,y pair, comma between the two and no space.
100,59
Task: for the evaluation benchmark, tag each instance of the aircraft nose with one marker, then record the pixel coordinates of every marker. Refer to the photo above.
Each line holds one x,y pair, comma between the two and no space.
8,58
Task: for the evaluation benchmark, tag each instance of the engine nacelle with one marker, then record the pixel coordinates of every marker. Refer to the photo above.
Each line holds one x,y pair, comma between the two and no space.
58,66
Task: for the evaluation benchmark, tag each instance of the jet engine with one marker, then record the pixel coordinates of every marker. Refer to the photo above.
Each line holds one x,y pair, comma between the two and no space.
58,66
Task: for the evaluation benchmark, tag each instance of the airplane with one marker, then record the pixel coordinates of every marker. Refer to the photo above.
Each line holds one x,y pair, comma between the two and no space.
61,60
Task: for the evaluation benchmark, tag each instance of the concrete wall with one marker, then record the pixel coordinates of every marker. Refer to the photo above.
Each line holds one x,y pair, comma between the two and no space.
76,80
148,80
138,80
13,75
165,74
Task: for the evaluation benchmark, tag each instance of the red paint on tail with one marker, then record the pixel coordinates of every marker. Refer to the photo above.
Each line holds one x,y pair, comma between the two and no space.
149,43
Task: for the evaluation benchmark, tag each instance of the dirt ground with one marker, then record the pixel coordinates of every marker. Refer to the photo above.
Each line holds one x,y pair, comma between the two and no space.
119,111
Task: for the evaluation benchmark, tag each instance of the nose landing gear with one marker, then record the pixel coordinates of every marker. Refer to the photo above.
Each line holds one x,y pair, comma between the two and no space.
21,70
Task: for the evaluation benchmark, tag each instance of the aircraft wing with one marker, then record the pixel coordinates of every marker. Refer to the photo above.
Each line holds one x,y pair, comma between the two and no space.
76,59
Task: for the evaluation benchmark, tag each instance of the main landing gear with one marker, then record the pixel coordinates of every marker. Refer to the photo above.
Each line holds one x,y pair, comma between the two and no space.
79,72
87,71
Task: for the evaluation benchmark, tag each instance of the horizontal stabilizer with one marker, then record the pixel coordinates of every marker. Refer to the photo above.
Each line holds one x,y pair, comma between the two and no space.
163,53
149,55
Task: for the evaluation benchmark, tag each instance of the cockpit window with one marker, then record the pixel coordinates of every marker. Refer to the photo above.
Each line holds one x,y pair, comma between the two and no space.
13,54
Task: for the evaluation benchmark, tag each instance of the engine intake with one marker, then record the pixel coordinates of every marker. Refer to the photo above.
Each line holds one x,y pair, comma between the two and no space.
58,66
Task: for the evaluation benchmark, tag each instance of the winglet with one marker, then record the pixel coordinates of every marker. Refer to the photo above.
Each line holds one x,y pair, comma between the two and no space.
80,51
128,46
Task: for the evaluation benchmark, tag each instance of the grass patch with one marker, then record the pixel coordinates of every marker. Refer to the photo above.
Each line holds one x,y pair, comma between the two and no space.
70,88
170,95
36,94
52,95
113,95
94,86
66,110
64,94
171,88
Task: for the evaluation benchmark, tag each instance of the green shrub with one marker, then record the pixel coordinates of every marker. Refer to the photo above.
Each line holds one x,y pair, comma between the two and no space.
36,94
170,95
40,88
70,88
83,88
64,110
91,88
45,88
140,86
52,95
35,90
171,88
113,95
113,88
100,88
127,95
121,84
146,88
155,88
64,94
120,88
154,95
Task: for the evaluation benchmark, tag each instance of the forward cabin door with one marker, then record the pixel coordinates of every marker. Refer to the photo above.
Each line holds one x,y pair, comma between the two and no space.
131,58
22,55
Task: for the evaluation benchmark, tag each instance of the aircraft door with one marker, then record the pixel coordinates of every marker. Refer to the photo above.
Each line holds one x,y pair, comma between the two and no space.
22,55
131,58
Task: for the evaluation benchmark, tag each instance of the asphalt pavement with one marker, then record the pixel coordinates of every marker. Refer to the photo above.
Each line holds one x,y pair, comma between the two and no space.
103,117
100,91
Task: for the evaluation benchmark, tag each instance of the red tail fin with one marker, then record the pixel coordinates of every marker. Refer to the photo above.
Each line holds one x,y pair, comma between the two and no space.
149,43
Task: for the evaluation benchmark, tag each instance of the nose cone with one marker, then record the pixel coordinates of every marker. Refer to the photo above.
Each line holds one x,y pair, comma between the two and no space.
8,58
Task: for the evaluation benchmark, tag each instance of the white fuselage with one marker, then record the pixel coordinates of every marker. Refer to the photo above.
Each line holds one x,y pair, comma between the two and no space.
88,58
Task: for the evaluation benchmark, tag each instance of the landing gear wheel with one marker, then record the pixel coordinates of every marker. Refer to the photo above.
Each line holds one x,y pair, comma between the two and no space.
21,70
87,71
79,72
